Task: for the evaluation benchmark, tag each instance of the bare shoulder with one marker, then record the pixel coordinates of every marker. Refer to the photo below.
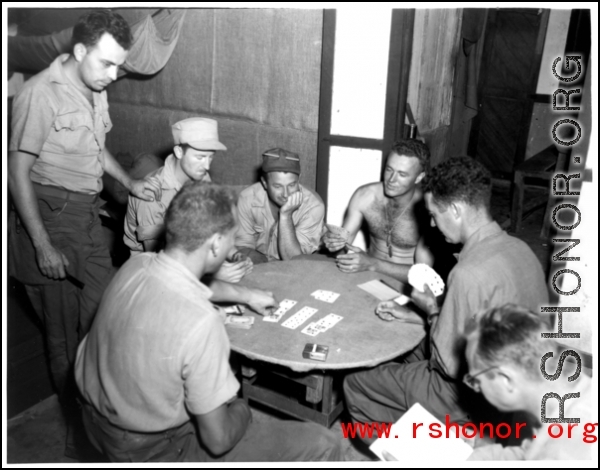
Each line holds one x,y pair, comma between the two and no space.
365,195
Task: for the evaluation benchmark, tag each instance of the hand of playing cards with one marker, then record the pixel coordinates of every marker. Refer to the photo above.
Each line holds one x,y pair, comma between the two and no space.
421,274
336,237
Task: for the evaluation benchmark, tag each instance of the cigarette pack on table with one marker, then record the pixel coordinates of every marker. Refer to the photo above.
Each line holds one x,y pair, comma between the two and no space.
316,352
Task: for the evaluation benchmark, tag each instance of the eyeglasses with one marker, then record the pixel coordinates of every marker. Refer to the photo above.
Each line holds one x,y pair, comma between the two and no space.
472,382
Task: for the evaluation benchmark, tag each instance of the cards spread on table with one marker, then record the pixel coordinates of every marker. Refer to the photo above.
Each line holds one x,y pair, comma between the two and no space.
420,274
340,231
314,328
311,329
299,317
284,306
325,295
236,321
379,290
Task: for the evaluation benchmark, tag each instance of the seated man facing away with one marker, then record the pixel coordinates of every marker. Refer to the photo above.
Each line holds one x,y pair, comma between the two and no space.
504,349
279,218
395,216
493,269
154,370
196,140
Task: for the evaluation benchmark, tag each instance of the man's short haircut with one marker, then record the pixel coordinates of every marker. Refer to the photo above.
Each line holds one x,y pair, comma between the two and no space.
510,334
460,179
197,212
91,26
413,148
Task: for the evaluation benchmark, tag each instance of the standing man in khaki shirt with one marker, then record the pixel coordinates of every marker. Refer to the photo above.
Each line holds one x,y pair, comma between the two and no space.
56,160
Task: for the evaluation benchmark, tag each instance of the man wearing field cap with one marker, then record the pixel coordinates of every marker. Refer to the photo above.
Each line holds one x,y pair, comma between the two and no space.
196,141
279,218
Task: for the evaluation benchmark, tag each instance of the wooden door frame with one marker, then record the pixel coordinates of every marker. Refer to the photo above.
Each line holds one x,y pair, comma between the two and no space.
400,53
525,118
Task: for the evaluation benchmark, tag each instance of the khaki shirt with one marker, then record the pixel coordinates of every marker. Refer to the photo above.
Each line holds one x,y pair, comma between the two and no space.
493,269
53,120
145,219
158,349
259,229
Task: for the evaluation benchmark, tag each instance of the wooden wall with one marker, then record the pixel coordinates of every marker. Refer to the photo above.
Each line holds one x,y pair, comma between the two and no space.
430,93
256,71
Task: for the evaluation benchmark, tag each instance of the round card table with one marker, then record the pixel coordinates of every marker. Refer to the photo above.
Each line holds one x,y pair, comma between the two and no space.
361,339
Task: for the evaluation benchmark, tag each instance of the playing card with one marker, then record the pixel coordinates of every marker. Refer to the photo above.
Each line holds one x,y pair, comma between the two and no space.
239,322
340,231
402,300
325,295
329,321
379,290
299,317
311,330
284,306
420,274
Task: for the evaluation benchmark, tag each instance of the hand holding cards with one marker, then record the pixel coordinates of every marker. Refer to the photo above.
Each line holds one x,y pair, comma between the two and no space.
421,274
336,237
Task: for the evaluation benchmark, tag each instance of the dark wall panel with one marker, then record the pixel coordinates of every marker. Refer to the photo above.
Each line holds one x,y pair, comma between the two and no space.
138,129
256,71
185,83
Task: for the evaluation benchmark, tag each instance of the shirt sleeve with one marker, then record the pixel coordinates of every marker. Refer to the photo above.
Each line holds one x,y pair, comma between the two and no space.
245,236
465,298
32,119
208,379
150,220
309,227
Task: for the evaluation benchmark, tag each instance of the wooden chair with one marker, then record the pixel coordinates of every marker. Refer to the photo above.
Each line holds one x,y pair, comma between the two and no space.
542,165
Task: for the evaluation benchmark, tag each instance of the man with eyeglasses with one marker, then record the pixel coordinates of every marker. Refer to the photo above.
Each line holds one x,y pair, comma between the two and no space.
493,268
504,348
279,218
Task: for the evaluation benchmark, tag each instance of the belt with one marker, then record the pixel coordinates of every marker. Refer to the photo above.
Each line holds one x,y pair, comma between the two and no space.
55,191
92,410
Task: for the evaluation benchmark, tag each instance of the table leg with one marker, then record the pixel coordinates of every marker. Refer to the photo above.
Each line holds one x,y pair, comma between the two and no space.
319,389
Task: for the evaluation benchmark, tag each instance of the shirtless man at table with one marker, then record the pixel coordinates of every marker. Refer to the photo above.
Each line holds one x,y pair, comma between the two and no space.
395,215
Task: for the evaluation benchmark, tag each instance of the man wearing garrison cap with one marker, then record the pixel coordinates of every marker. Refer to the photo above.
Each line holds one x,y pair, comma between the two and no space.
196,140
279,218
